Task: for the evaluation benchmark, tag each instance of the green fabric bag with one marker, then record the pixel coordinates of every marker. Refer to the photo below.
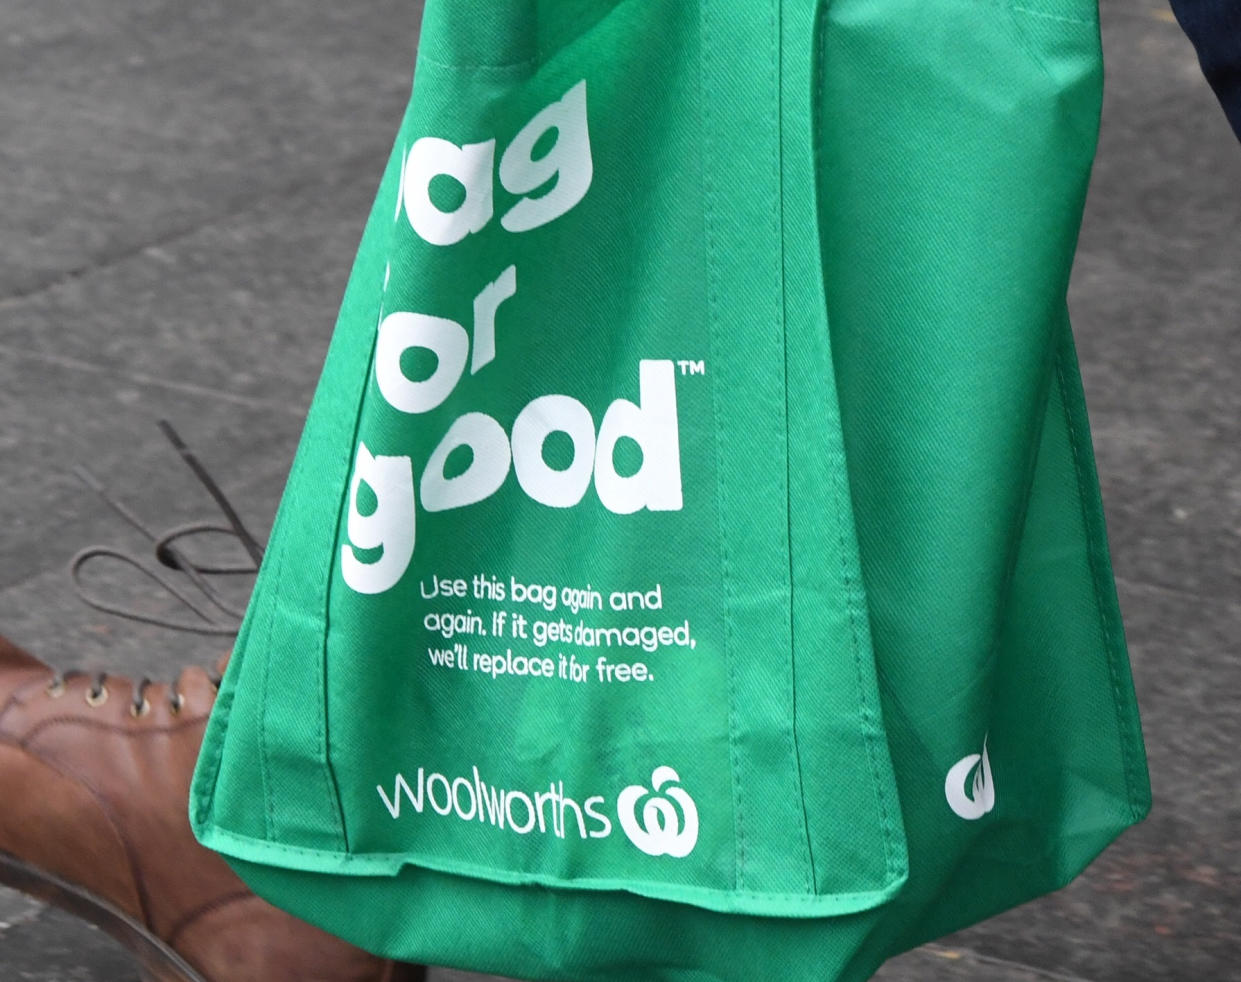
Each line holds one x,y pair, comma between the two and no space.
693,566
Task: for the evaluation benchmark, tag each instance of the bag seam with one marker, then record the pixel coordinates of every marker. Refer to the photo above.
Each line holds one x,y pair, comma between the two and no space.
721,497
269,800
339,863
1060,18
780,303
1092,559
511,68
329,772
893,869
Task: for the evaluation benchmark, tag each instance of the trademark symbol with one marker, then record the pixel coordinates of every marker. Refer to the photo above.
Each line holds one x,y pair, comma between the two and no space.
692,367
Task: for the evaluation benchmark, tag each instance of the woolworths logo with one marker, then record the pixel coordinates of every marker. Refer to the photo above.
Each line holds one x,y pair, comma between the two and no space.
661,820
665,828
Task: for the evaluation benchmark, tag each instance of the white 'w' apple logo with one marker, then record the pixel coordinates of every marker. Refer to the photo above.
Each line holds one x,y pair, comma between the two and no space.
662,831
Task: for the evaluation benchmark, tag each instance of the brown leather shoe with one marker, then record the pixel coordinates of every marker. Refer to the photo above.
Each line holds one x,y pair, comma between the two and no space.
94,784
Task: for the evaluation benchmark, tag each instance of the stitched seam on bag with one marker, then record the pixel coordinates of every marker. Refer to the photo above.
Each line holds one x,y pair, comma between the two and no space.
215,755
1088,133
333,793
211,752
512,68
1080,21
327,772
1104,621
1018,525
892,868
713,309
269,801
343,502
263,769
1061,18
889,855
340,863
775,83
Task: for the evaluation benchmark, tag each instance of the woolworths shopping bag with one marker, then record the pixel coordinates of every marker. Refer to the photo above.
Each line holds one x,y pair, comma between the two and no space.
693,567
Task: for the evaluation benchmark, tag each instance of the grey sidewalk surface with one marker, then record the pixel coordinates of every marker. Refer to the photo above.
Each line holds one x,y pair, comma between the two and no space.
182,187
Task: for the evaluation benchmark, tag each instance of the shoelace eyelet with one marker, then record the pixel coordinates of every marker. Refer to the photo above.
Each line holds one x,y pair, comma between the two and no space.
55,688
97,697
175,703
138,710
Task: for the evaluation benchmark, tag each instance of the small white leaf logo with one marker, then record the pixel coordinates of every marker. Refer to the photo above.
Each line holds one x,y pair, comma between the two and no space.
661,831
981,798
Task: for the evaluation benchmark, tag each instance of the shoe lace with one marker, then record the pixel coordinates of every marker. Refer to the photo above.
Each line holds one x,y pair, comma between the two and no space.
215,615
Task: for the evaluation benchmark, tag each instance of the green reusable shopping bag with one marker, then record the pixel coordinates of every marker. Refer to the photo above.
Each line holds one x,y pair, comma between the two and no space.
693,566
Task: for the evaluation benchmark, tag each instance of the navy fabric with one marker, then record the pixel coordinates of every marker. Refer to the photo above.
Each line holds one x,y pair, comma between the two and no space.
1214,26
